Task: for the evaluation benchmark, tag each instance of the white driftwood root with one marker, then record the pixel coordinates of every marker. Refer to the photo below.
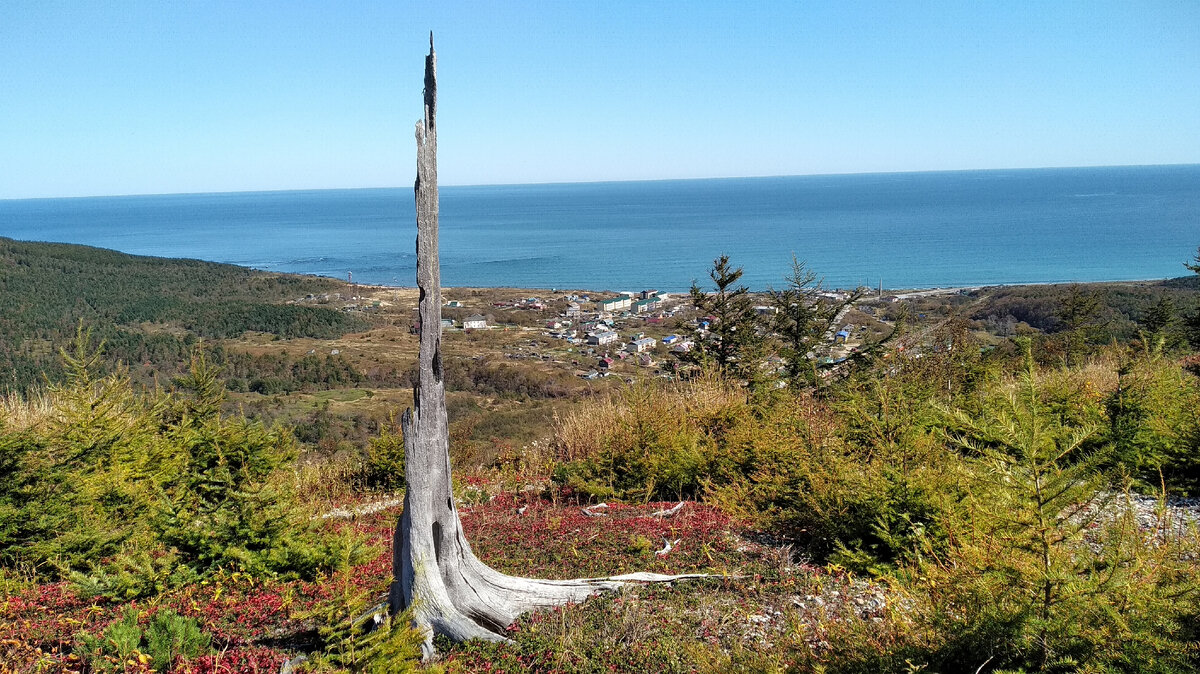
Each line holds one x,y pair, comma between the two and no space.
350,512
437,575
667,547
669,511
591,511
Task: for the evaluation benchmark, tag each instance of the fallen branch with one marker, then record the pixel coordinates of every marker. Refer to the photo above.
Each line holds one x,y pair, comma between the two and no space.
360,510
668,511
667,547
590,511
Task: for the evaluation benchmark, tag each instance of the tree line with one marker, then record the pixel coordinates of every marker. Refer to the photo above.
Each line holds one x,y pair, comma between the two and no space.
796,323
47,289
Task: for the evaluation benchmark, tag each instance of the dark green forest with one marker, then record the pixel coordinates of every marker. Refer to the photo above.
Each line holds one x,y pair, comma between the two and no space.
149,312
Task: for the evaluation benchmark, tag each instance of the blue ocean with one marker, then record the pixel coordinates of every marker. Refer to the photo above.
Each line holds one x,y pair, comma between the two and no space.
906,230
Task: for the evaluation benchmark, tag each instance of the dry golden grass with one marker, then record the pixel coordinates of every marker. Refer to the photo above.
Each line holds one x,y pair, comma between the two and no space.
19,413
581,433
585,432
1094,378
325,484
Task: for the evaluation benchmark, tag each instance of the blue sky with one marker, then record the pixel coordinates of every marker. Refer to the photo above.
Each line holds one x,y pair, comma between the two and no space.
155,97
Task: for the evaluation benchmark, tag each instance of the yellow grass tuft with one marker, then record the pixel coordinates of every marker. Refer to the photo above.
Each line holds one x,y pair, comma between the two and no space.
19,413
585,432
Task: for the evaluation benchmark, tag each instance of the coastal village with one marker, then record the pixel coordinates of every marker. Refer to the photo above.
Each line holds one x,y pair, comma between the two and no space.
596,335
613,337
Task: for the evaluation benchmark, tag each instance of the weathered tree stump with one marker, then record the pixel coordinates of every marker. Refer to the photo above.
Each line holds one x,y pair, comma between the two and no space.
449,590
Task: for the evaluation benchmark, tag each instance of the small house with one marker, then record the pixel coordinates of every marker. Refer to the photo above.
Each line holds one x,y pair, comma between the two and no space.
605,363
474,322
602,338
684,346
641,345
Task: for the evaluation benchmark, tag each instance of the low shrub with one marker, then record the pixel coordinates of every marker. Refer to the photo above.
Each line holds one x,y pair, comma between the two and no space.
650,443
383,466
157,643
129,493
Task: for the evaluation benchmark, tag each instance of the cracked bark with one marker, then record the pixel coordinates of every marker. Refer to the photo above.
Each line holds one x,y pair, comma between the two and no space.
449,590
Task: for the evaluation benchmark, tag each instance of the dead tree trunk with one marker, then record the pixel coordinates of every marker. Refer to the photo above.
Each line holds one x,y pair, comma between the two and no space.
449,590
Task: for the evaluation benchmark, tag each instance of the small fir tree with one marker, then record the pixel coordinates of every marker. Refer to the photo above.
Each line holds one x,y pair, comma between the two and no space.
1191,321
1045,568
732,341
1080,316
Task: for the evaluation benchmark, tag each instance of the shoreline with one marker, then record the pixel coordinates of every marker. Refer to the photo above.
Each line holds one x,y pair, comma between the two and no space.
903,293
912,291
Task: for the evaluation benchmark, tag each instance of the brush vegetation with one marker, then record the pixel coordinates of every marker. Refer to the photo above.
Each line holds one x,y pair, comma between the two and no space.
974,502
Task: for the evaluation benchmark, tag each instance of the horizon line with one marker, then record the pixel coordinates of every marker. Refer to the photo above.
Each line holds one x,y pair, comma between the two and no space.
601,182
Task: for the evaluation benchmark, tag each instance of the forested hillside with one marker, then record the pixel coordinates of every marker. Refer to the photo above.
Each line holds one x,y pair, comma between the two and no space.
1114,309
147,310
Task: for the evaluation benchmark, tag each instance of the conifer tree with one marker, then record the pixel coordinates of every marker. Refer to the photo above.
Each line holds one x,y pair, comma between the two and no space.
1195,265
1079,313
1191,321
1159,317
1057,559
732,340
803,318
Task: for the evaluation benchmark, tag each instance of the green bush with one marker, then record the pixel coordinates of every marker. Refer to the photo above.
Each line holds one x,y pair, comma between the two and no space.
860,506
785,462
651,447
131,493
1043,566
384,465
351,640
1154,424
165,638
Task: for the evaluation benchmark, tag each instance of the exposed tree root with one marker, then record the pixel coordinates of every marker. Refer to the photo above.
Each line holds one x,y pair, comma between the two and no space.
669,512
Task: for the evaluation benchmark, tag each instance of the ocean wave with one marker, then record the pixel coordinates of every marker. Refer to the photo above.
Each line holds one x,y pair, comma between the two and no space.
535,259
